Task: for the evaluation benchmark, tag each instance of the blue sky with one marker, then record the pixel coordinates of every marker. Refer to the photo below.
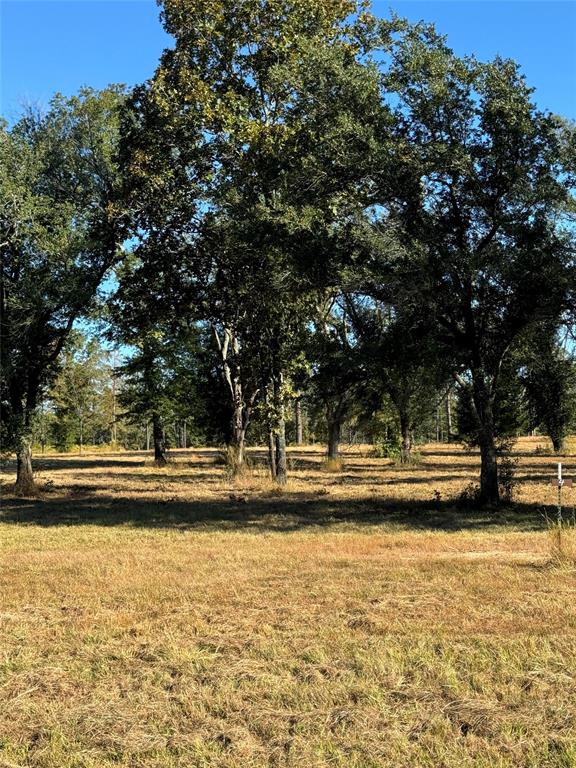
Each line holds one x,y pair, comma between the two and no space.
60,45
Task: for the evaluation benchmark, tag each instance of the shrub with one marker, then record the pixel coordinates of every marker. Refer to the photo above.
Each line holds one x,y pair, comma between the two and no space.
388,449
470,496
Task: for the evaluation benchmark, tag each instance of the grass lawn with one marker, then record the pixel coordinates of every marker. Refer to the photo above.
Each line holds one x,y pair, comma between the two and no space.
171,617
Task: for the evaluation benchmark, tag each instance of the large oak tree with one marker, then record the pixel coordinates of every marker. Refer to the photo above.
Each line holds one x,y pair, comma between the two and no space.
478,200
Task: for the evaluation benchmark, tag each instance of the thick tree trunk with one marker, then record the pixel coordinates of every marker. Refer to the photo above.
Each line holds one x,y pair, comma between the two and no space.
237,445
558,444
489,491
298,421
237,450
483,400
159,441
334,433
240,423
236,456
25,485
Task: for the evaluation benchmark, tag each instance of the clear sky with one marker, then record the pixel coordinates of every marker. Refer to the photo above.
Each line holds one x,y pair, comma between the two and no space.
60,45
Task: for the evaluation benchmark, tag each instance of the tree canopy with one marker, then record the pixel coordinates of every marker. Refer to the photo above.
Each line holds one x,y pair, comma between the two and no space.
319,207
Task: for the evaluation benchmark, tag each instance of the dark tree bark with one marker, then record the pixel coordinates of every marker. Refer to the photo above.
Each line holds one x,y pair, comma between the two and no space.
334,436
335,416
558,443
489,491
483,401
159,441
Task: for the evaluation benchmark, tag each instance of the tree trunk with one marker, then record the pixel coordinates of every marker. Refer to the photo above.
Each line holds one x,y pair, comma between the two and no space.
280,430
281,462
229,348
147,436
334,431
489,491
558,443
237,445
159,441
240,421
25,485
483,401
449,416
406,447
272,454
298,421
42,429
113,431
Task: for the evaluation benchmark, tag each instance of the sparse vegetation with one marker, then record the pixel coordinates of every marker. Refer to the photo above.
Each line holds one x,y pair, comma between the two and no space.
333,465
170,616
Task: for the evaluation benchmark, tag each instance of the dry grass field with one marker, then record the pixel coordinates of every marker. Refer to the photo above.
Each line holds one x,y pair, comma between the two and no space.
163,618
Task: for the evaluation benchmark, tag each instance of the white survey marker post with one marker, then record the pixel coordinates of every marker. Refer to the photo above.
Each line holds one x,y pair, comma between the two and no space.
560,482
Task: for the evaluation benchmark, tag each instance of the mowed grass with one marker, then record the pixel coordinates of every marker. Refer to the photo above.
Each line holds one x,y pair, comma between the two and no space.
360,618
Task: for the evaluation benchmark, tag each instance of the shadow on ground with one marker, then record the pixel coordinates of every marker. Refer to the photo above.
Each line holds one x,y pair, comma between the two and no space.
290,512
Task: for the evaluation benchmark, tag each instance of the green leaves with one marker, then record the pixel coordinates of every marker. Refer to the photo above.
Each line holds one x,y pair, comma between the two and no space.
58,233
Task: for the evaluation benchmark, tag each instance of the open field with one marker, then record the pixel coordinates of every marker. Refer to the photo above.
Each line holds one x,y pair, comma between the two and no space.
171,617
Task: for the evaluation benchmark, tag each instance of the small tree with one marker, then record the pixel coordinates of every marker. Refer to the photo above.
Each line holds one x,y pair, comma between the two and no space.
77,395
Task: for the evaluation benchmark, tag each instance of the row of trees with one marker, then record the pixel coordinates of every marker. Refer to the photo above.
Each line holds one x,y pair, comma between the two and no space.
174,399
303,197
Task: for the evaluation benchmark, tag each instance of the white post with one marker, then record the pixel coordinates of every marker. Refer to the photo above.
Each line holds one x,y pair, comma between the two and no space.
559,493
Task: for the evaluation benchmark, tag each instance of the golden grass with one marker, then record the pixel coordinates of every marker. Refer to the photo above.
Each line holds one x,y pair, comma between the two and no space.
163,618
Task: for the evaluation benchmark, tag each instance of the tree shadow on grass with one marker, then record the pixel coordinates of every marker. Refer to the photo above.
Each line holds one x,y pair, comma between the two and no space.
283,513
